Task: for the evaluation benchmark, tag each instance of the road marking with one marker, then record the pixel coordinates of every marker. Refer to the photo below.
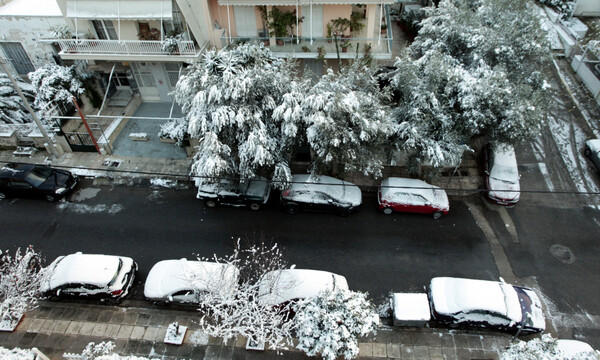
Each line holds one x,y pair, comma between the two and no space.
498,253
546,176
509,224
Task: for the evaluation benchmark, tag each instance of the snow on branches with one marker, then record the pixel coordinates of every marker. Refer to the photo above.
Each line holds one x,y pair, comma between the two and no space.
12,109
546,348
330,323
55,84
229,97
20,279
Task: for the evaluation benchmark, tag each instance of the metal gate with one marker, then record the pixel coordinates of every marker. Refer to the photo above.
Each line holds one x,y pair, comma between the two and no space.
80,141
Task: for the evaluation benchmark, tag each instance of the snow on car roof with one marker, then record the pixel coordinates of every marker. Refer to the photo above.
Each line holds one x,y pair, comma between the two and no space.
80,268
393,185
279,286
453,295
169,276
504,155
594,144
303,188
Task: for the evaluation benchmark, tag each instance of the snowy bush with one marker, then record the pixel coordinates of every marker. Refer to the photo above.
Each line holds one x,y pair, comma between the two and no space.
229,97
171,44
55,84
20,279
12,109
61,32
545,348
565,7
330,323
100,351
174,129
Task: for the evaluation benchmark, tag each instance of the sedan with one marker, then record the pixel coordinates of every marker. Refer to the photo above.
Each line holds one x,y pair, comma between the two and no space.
592,151
412,195
488,304
253,193
322,193
280,287
501,174
184,281
106,277
30,180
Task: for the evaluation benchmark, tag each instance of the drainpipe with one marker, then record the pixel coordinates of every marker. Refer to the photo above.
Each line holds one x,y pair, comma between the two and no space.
228,21
311,23
297,30
380,16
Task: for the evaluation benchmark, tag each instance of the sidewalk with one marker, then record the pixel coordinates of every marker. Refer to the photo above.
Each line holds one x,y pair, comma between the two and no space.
58,327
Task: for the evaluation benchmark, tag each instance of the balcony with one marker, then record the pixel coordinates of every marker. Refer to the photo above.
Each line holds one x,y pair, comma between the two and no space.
125,50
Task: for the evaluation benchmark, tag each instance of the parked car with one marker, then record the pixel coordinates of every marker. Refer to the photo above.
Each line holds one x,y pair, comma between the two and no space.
105,277
412,195
571,349
321,194
501,174
30,180
280,287
183,281
253,193
592,151
488,304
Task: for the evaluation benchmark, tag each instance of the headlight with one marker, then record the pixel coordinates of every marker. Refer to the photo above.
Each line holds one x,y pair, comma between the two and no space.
60,190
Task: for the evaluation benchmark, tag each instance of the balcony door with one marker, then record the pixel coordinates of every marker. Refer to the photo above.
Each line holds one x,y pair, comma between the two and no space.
245,21
317,21
105,29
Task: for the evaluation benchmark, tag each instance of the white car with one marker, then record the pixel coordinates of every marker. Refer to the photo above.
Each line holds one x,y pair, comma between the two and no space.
592,151
89,275
501,174
412,195
489,304
279,287
570,349
183,281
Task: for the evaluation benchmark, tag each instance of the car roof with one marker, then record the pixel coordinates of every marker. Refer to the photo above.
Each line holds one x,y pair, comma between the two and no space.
280,286
392,185
504,155
80,268
593,144
455,295
15,171
169,276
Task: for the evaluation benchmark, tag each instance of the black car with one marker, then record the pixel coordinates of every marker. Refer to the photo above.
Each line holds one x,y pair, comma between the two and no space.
253,193
30,180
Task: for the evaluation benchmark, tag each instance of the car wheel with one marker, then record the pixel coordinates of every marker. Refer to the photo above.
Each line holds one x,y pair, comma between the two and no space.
587,152
210,204
2,196
50,198
254,207
343,212
291,208
453,325
437,215
388,210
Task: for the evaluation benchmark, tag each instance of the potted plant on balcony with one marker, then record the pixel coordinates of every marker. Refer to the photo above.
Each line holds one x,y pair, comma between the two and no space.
329,33
340,25
280,22
171,44
355,24
344,44
383,29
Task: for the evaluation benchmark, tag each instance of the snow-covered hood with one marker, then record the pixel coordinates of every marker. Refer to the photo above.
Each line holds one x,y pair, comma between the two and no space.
504,190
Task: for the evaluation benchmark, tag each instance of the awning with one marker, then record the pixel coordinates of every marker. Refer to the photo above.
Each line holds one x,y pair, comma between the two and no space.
301,2
120,9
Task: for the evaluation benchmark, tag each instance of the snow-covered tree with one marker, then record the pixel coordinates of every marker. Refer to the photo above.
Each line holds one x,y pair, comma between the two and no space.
20,279
330,323
229,97
12,109
545,348
101,351
55,84
347,126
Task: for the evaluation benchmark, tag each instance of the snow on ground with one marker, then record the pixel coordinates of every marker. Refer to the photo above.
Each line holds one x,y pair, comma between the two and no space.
199,337
90,209
166,183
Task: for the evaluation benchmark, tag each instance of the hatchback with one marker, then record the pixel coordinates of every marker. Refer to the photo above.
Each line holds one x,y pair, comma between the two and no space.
30,180
105,277
412,195
253,193
322,193
501,174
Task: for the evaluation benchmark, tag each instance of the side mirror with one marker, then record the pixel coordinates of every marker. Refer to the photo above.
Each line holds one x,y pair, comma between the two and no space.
170,298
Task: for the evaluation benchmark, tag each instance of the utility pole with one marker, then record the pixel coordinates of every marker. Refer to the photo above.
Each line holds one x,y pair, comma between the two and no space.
47,139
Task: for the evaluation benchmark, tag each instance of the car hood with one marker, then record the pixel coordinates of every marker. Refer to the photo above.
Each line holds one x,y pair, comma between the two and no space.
56,179
593,144
352,194
502,189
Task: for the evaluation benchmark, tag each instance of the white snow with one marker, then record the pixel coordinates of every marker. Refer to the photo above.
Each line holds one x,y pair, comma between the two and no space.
393,187
43,8
166,183
306,187
411,307
90,209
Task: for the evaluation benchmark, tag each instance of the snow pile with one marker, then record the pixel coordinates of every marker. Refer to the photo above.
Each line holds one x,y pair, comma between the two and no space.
548,348
90,209
166,183
330,323
16,354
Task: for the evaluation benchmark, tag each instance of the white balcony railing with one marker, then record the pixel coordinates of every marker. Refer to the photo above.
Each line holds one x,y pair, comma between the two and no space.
123,47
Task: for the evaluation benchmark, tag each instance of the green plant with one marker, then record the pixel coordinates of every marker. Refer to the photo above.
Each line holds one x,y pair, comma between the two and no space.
321,53
281,21
355,24
345,44
305,48
340,25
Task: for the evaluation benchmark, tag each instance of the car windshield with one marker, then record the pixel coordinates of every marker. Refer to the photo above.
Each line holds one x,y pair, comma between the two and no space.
525,302
112,281
505,174
38,175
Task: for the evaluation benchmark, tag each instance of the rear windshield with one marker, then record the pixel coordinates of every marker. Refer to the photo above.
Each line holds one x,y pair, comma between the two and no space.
38,175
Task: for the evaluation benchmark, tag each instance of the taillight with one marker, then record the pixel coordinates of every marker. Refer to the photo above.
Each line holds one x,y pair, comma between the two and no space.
286,193
117,292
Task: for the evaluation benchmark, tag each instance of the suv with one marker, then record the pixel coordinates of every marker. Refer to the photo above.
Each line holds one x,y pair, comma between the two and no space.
253,193
30,180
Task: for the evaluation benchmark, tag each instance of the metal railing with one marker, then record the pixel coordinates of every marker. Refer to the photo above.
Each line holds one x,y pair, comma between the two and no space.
325,45
123,47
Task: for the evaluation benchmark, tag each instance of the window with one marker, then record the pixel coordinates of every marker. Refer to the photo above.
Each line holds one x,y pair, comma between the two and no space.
105,29
18,57
120,79
144,76
172,74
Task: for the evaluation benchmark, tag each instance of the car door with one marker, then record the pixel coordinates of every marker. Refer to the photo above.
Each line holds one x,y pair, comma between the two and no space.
322,201
401,201
21,188
187,296
419,204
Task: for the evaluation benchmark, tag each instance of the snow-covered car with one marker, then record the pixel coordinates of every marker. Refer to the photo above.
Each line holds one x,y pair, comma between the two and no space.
253,193
184,281
501,174
323,193
570,349
106,277
592,151
30,180
412,195
280,287
489,304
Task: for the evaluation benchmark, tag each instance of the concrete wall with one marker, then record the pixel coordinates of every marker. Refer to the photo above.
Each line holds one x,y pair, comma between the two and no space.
587,8
589,78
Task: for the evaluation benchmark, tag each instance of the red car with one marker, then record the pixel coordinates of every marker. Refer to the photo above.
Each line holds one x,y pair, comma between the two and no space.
412,195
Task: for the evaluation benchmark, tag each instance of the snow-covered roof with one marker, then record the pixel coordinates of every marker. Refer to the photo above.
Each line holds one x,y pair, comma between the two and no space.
45,8
169,276
392,185
279,286
411,307
80,268
452,296
505,163
594,144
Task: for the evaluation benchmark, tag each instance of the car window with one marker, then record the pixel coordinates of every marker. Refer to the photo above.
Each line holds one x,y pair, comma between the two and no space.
18,184
114,278
321,198
38,175
182,293
402,197
418,199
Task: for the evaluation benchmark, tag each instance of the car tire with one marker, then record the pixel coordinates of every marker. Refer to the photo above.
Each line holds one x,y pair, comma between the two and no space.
343,212
50,198
587,152
437,215
210,204
254,206
388,210
291,209
2,196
